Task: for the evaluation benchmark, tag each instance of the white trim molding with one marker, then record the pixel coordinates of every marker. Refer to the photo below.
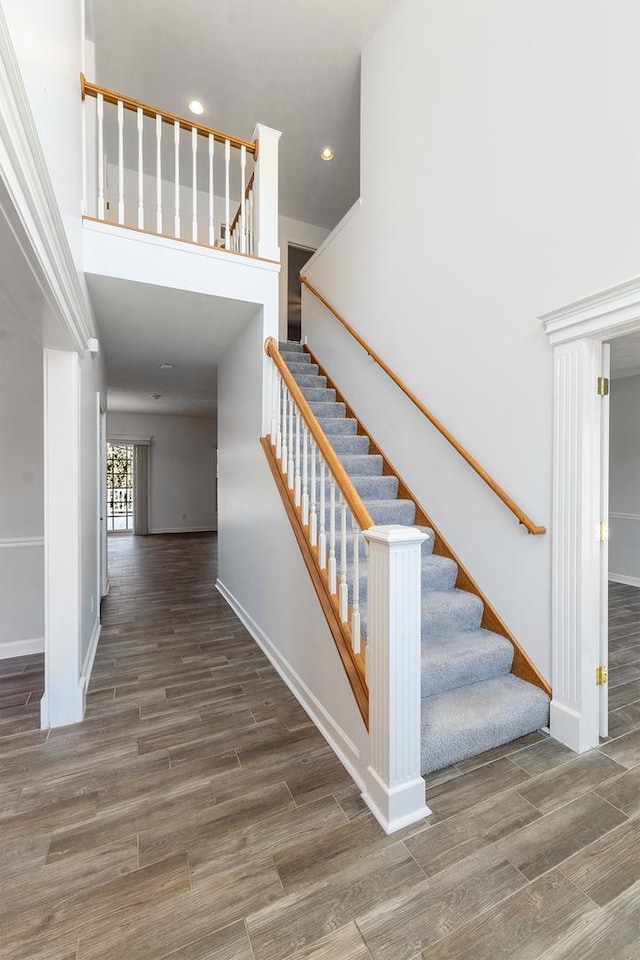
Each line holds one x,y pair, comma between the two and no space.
21,648
602,316
577,332
26,182
623,578
126,438
206,529
342,745
624,516
7,543
87,667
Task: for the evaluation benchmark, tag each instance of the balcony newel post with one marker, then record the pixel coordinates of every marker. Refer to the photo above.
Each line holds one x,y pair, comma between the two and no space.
395,790
265,193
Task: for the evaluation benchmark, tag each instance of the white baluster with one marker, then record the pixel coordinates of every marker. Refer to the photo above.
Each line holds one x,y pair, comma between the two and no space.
285,446
140,171
250,244
332,536
227,220
313,510
158,173
212,223
100,158
120,161
279,396
305,476
243,187
194,179
290,464
275,392
343,595
176,154
356,633
322,536
297,483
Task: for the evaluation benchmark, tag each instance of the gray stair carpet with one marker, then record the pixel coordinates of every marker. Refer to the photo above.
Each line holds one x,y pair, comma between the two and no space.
471,702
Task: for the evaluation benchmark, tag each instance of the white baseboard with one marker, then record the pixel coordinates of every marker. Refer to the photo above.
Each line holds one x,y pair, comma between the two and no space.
569,727
207,529
623,578
342,745
21,648
87,667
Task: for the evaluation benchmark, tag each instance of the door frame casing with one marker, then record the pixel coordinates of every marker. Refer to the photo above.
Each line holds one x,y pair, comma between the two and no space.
577,333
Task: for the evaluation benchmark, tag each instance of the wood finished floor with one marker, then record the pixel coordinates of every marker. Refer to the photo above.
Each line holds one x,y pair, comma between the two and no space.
197,815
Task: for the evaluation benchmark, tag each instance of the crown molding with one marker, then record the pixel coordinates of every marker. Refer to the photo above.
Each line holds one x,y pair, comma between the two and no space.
28,190
605,315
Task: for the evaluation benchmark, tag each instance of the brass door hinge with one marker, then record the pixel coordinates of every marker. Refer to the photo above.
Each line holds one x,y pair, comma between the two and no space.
602,675
602,530
603,387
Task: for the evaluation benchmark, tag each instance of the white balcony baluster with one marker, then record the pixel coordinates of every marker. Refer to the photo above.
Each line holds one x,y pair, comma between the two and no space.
275,394
176,196
120,162
140,116
343,593
227,199
100,158
243,187
283,429
332,536
212,222
194,184
158,173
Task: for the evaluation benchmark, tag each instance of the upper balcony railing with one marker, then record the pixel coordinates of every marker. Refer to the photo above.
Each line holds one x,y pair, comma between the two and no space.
150,170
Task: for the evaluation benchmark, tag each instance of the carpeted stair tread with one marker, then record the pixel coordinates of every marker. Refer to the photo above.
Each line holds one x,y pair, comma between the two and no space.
331,409
295,356
318,394
338,425
392,511
310,380
462,658
438,574
290,346
449,611
470,720
369,486
361,465
302,368
353,444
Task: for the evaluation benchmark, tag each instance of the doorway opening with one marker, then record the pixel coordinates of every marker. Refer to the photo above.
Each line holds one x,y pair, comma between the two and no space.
296,259
119,487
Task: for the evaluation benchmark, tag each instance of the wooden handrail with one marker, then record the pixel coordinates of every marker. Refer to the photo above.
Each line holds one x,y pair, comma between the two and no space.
246,196
110,96
349,492
473,463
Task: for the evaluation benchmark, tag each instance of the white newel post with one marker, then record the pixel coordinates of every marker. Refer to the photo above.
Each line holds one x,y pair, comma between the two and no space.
396,790
265,193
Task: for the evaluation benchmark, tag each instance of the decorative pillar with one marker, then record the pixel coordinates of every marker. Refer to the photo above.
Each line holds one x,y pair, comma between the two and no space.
395,790
265,193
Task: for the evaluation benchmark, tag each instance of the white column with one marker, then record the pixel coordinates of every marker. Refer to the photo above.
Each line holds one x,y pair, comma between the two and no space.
396,791
62,702
576,549
265,188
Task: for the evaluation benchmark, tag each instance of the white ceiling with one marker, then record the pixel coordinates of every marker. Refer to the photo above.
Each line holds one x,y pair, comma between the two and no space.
290,64
142,326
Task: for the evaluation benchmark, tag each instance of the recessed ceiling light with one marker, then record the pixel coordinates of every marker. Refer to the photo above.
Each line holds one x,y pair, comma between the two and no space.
156,396
166,366
327,153
196,107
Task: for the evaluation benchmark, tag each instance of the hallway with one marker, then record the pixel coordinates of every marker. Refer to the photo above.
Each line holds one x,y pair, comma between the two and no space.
196,814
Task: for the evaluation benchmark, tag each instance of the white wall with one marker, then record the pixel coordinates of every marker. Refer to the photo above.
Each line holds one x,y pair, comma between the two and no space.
182,465
624,480
516,202
260,566
21,489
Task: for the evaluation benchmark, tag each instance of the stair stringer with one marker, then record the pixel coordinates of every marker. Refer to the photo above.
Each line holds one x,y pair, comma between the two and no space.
341,632
522,667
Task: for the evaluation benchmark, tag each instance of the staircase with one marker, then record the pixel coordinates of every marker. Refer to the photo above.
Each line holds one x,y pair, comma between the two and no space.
471,702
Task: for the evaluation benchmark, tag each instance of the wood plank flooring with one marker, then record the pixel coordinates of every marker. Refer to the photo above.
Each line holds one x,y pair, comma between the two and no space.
197,814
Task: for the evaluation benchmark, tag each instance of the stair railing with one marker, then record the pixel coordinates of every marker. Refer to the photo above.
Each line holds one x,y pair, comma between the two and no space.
331,522
518,512
200,175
